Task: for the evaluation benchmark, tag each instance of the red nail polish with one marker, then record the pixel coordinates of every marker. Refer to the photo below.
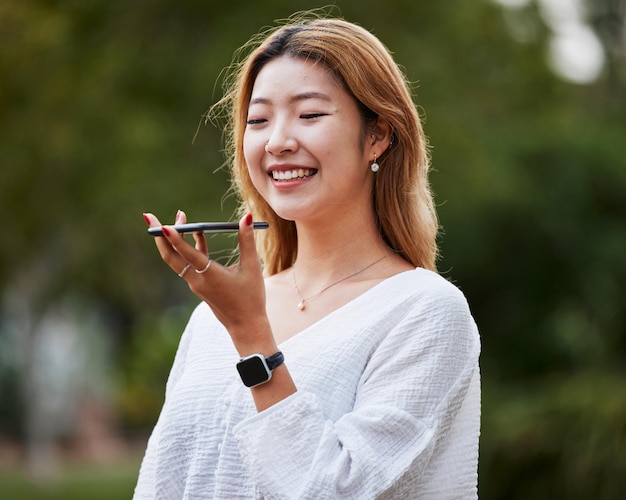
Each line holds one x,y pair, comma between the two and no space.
248,219
166,231
145,217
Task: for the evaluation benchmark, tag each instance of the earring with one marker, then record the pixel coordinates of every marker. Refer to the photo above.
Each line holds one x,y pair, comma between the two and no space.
374,166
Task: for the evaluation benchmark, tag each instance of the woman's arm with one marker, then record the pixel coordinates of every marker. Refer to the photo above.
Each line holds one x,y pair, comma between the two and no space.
409,396
236,295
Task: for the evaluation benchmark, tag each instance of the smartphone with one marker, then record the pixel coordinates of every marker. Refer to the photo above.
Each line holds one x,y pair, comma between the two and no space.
206,227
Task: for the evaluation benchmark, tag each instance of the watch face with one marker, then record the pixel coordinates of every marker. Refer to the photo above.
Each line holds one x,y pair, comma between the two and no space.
253,370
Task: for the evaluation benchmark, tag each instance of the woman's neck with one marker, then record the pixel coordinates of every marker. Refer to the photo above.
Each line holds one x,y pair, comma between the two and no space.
329,252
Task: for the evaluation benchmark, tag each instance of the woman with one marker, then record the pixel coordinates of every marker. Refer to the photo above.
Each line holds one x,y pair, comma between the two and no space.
370,387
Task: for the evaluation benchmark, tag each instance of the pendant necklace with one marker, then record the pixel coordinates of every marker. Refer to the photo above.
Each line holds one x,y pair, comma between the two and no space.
302,303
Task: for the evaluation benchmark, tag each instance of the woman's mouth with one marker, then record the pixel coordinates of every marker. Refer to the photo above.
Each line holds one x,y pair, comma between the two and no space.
296,173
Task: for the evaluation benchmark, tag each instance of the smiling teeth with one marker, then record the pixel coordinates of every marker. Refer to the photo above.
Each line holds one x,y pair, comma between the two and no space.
286,175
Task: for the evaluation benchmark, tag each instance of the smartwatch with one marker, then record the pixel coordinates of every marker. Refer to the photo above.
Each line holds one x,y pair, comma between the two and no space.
257,369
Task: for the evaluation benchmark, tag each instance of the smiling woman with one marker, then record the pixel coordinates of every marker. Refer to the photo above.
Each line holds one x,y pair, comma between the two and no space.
356,363
300,119
404,209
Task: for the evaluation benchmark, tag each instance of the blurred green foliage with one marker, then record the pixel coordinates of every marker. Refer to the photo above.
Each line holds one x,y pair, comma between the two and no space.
100,102
144,370
75,482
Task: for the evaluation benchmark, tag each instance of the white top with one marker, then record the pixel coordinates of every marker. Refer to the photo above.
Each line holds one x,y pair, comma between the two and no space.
388,406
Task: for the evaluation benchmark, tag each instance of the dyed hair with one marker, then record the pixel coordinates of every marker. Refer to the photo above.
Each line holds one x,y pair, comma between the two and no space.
403,203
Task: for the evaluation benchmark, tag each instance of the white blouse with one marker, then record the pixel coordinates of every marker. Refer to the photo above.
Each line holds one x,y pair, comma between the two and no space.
388,406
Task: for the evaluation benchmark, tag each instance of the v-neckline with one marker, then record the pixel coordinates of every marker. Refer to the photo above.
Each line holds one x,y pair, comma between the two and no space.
342,308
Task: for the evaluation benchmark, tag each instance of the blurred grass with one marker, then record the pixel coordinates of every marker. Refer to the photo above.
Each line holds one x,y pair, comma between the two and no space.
73,482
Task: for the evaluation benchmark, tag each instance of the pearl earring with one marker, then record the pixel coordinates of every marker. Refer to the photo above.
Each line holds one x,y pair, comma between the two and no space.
374,166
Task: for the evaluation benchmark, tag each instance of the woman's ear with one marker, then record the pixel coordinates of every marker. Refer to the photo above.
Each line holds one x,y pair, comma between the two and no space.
380,137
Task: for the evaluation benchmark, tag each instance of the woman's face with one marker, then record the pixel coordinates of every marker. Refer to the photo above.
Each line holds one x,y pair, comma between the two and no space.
304,142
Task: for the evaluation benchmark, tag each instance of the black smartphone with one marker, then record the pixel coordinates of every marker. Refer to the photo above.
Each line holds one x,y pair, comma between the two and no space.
206,227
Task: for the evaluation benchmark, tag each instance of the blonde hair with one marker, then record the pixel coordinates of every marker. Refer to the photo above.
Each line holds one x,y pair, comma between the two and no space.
402,198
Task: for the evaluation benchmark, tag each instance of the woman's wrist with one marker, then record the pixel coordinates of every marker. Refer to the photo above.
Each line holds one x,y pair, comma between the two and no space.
279,387
253,338
258,339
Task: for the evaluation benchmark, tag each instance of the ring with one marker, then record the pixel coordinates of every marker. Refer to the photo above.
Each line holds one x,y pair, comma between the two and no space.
208,264
185,269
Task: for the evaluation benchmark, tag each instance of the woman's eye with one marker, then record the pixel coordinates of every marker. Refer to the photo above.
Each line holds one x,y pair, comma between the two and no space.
256,121
310,116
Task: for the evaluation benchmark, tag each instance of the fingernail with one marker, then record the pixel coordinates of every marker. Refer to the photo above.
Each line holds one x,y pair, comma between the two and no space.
248,219
166,231
178,214
145,217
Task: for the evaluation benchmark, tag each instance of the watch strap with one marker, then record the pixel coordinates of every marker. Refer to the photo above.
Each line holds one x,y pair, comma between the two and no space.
275,360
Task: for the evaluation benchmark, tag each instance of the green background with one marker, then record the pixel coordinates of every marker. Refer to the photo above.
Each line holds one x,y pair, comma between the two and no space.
100,102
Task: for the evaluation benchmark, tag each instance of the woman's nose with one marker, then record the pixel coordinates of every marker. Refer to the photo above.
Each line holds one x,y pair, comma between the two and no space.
281,141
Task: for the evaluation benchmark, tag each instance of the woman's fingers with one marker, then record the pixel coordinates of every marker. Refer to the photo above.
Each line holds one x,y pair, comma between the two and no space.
236,293
165,249
201,245
181,249
181,217
151,220
248,255
177,252
169,253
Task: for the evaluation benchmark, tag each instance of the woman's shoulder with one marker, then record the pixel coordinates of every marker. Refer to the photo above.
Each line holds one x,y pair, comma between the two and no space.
439,306
427,296
424,282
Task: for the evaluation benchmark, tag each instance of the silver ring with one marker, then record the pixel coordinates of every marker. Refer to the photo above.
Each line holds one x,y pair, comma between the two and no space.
185,269
208,264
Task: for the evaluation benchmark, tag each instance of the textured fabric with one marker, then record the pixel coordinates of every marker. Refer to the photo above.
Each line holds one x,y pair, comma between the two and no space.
388,406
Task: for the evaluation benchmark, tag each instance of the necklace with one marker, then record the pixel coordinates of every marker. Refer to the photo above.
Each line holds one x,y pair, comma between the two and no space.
302,303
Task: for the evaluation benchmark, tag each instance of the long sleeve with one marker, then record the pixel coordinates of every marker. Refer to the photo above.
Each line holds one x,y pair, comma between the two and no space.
388,406
394,443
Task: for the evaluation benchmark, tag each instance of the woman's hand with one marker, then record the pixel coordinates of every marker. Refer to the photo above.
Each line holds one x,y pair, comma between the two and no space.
236,294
